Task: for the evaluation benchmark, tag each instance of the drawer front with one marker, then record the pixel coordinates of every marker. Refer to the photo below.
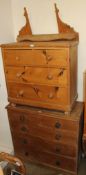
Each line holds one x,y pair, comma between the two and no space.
38,144
42,118
41,96
45,133
32,57
65,163
50,76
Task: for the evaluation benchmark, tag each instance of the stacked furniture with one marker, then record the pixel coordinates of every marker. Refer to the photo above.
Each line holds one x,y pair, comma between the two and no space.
45,119
44,75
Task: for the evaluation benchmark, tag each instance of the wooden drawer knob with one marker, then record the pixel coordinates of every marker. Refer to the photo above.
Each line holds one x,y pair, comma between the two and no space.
22,118
18,75
24,129
20,93
26,153
51,95
58,150
24,141
49,58
58,125
58,136
50,77
17,58
58,163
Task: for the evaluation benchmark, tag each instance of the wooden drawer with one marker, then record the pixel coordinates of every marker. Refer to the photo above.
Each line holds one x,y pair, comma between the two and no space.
53,160
45,133
44,118
58,57
39,95
46,124
39,144
49,76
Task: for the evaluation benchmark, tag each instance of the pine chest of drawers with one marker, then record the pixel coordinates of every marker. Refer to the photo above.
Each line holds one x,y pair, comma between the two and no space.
47,137
41,74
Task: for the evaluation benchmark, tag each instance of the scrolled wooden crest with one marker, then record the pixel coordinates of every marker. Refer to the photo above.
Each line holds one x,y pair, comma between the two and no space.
63,27
25,30
66,32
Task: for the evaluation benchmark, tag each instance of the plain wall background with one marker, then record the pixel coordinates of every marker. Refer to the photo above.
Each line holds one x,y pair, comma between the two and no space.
6,35
43,20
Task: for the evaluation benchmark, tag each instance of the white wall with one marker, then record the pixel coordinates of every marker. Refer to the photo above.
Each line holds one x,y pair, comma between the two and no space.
6,35
43,20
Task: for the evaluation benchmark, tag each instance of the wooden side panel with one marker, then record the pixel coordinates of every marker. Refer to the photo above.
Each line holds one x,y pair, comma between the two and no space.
73,74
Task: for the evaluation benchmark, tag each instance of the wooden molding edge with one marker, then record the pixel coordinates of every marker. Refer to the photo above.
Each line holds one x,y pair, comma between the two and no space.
25,30
63,27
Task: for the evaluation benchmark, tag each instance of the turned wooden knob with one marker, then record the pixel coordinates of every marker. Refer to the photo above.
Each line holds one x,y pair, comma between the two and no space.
25,141
50,96
49,58
26,153
24,129
58,163
58,125
22,118
58,136
20,94
17,58
50,77
58,150
18,75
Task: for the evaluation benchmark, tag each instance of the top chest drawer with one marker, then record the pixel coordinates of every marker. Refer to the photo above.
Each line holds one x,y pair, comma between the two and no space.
30,57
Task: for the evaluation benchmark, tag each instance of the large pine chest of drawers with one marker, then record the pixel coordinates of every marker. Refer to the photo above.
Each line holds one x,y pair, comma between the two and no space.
48,137
41,74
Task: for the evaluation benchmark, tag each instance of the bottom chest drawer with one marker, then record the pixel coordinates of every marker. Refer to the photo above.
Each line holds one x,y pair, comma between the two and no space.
51,160
52,97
